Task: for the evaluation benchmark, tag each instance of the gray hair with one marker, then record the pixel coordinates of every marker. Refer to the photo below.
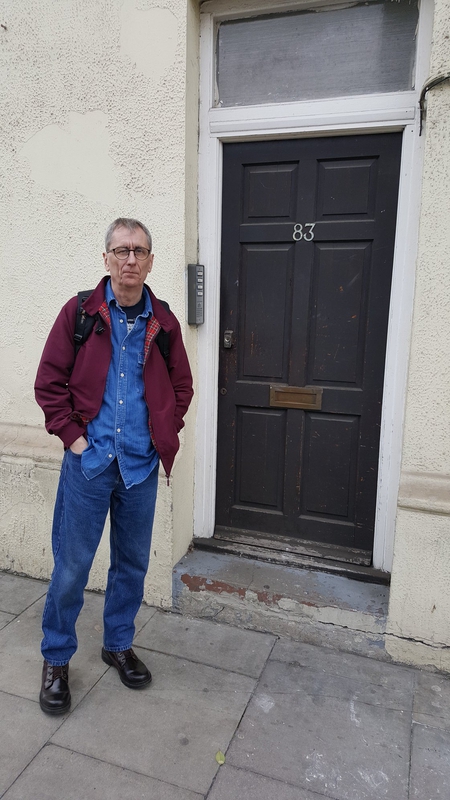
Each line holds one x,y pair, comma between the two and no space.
130,225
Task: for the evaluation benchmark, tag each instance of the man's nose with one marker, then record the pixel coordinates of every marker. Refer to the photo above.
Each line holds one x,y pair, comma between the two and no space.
131,257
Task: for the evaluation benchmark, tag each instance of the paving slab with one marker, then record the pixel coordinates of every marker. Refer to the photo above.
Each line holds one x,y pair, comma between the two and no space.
5,619
432,700
24,729
350,676
316,723
17,593
56,773
171,730
430,764
207,642
20,644
343,737
240,784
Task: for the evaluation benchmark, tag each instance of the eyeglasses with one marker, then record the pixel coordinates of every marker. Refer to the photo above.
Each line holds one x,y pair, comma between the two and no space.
141,253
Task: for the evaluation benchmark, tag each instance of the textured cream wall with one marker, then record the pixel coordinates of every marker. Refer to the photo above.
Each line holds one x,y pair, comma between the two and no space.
183,486
94,125
420,591
421,609
427,429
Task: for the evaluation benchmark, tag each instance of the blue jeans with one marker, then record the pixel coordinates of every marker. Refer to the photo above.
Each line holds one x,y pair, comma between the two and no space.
79,517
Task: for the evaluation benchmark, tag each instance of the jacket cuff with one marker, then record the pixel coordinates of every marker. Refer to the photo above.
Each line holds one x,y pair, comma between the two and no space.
70,433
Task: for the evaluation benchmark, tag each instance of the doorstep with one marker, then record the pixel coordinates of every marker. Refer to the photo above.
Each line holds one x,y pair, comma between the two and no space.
303,604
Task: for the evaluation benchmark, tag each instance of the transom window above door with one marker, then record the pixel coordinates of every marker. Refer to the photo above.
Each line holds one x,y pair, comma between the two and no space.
366,48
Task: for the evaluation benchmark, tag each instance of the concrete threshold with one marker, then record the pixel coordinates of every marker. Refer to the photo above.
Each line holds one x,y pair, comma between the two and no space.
303,604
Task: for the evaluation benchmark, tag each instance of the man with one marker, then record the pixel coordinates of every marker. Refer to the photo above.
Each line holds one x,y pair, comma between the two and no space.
118,408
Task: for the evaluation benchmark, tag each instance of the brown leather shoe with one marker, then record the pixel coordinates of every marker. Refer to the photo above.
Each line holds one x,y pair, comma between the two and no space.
132,671
54,697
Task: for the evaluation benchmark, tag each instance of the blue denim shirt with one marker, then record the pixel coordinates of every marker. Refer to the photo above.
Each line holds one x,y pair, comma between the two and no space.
120,429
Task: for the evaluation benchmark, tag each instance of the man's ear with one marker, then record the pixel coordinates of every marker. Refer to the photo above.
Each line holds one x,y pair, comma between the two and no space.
105,261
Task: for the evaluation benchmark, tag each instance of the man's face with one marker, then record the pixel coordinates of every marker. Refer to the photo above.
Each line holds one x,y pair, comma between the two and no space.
128,273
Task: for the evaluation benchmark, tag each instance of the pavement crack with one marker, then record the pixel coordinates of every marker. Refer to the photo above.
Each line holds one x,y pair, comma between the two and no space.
354,630
438,646
216,613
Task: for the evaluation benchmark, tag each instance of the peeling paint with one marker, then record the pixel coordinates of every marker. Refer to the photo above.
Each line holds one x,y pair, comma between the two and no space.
148,39
196,583
73,157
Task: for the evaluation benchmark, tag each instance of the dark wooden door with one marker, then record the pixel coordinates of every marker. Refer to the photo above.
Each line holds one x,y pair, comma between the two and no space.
307,246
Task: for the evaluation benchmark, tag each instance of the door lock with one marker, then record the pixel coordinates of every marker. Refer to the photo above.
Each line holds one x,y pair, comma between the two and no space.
228,339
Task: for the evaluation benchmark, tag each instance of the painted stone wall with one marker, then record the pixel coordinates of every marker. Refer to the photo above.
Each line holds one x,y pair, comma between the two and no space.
420,591
98,120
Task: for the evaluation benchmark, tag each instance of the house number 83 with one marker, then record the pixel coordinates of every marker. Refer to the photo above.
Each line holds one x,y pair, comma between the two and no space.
300,232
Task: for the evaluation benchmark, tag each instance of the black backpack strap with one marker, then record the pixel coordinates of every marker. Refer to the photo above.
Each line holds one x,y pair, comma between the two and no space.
163,337
84,323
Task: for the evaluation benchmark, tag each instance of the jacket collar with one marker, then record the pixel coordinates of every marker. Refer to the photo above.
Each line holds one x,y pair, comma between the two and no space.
95,300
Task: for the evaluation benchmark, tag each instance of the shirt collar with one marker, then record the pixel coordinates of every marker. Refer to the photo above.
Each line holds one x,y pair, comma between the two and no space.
110,298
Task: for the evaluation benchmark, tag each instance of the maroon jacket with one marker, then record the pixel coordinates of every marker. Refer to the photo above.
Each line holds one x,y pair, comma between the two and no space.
70,391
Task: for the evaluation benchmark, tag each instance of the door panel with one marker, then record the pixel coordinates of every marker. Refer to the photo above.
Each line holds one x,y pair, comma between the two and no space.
270,190
267,277
260,438
346,187
337,329
307,246
331,452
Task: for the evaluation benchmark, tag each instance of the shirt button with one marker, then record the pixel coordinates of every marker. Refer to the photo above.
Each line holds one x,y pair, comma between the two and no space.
118,430
121,402
123,348
109,455
122,375
120,320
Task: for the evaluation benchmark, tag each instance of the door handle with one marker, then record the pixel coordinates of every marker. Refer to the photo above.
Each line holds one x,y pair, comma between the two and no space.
306,397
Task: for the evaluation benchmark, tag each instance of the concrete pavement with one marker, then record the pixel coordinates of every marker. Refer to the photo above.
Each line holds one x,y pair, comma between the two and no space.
296,721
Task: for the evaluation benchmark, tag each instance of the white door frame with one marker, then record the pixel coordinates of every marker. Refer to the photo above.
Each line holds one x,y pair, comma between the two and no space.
347,115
